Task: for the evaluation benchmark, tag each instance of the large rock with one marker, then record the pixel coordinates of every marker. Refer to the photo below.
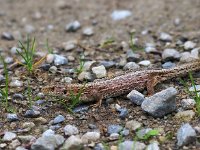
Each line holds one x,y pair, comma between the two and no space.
161,103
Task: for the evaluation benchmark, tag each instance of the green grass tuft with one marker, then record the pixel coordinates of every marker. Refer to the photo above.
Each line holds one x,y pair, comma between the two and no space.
80,68
194,94
27,53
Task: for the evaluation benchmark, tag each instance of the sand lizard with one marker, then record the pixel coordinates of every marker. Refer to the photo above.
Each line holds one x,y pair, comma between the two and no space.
138,80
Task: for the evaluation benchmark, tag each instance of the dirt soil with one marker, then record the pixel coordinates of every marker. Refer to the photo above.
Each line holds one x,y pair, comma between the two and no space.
153,15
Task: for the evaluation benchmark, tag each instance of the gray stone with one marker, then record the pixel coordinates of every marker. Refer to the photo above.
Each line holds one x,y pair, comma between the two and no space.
7,36
170,54
168,65
72,143
125,132
189,45
153,146
53,69
48,132
189,57
60,60
108,64
114,129
58,119
12,117
9,60
90,137
70,45
114,136
88,31
133,125
136,97
100,71
9,136
32,113
130,145
18,96
87,65
50,58
132,57
73,26
85,76
70,130
165,37
187,115
131,66
29,29
188,103
144,63
161,103
67,80
16,83
185,135
120,14
123,113
50,142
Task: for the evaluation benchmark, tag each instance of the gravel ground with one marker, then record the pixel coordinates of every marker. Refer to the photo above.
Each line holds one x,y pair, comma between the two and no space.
166,34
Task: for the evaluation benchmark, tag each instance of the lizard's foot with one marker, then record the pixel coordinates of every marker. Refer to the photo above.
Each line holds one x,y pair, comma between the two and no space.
98,104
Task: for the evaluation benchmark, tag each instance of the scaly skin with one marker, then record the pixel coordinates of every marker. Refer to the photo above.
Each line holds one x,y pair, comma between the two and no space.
123,84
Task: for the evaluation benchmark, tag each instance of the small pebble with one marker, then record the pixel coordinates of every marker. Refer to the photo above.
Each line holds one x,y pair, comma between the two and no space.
168,65
14,50
31,113
114,129
189,45
170,54
85,76
186,116
136,97
144,63
70,130
100,71
53,69
60,60
133,125
12,117
72,143
131,66
90,137
58,119
132,57
29,29
120,14
188,103
9,136
165,37
70,45
114,136
73,26
186,135
130,145
16,83
88,31
50,58
108,64
7,36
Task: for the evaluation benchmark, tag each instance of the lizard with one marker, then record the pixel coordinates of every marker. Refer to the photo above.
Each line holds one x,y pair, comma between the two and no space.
138,80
